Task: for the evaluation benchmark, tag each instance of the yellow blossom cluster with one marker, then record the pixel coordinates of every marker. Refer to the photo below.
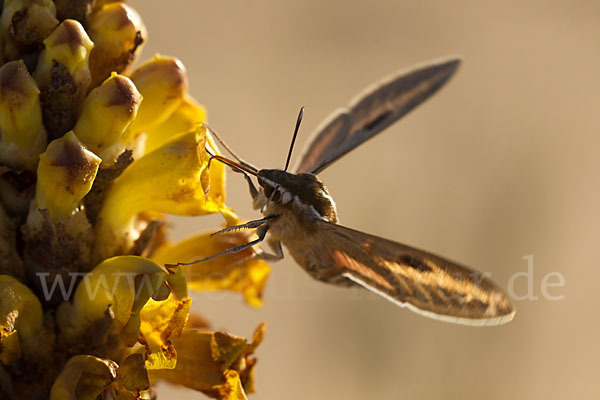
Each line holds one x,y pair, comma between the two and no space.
94,151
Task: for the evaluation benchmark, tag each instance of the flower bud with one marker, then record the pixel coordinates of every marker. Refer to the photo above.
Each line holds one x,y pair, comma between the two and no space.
23,136
107,112
118,34
65,175
69,45
25,23
163,83
63,75
21,320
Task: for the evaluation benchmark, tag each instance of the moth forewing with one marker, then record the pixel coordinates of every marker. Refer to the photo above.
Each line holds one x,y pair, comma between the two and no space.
373,110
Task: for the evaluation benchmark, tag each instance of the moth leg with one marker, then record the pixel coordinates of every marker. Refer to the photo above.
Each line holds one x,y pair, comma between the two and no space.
251,187
275,245
248,225
262,232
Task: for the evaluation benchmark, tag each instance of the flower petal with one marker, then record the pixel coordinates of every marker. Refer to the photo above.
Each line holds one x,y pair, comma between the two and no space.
160,322
226,348
202,357
132,374
185,117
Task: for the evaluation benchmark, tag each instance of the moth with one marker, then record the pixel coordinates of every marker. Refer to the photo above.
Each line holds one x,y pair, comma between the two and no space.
300,214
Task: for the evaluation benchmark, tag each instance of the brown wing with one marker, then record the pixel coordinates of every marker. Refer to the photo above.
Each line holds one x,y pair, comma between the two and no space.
423,282
372,111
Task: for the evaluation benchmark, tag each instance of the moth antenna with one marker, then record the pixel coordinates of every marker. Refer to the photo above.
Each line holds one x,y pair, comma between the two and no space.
228,149
289,156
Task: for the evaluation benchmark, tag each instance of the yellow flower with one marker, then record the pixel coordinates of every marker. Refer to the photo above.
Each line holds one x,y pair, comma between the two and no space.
93,154
172,179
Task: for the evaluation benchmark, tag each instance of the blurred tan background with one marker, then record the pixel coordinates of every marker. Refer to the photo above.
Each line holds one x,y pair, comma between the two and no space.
503,163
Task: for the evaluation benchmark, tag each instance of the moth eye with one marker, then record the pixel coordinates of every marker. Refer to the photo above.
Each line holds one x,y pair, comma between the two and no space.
277,196
268,190
415,263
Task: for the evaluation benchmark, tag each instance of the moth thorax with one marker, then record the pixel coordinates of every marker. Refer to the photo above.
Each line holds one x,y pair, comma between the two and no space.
304,191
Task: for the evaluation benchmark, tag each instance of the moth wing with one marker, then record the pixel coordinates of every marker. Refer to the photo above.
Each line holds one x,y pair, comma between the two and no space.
423,282
372,111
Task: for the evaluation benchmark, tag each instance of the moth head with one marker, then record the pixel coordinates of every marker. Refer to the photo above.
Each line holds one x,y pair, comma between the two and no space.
269,179
307,190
